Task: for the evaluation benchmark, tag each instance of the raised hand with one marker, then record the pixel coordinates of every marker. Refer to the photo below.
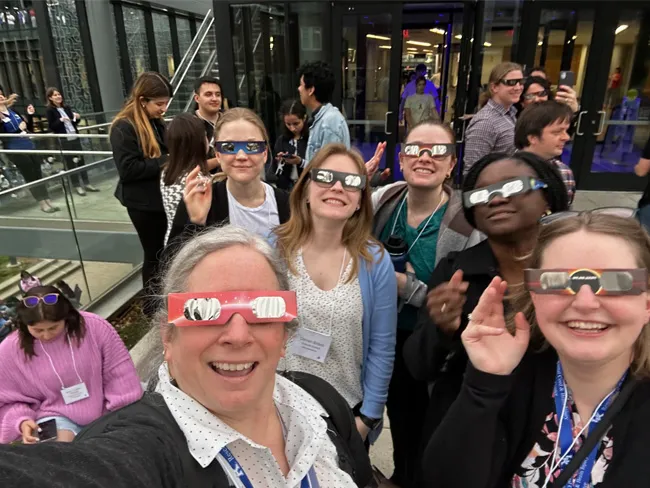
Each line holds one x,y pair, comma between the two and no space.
445,303
566,94
373,164
197,196
489,345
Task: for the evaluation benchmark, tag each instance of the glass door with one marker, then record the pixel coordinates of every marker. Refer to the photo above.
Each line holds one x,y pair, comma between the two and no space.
367,78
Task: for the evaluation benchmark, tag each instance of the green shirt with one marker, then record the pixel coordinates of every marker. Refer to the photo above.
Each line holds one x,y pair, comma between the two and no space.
422,256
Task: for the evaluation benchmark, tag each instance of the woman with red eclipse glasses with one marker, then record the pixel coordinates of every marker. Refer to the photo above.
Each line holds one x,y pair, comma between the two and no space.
556,392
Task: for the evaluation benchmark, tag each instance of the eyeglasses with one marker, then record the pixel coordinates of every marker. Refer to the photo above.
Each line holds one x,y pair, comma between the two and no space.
624,212
539,94
436,151
601,281
49,299
189,309
233,147
327,178
513,82
506,189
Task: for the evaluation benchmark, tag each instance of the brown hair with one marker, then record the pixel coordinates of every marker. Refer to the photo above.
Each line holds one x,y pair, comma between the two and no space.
496,75
148,86
185,139
357,233
597,223
49,93
75,325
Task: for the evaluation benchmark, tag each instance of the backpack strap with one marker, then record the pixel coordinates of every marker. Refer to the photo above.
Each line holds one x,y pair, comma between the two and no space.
341,427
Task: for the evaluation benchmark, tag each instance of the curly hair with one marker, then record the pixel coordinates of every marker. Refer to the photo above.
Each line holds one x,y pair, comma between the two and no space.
556,194
320,76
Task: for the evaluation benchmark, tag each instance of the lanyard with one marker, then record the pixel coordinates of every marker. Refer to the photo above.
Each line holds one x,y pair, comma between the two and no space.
11,115
74,364
401,205
565,440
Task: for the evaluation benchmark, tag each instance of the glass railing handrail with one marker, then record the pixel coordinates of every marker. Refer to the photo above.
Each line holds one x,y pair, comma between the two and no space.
41,135
55,152
206,69
61,174
96,126
208,19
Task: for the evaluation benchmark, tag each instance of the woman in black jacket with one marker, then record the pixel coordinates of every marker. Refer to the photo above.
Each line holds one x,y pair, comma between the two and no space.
61,119
434,353
291,146
565,400
242,198
137,139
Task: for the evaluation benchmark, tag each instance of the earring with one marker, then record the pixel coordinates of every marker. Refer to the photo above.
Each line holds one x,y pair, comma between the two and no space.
358,207
547,212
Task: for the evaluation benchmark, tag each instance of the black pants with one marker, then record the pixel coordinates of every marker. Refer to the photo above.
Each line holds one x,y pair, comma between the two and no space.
407,405
30,168
72,161
151,228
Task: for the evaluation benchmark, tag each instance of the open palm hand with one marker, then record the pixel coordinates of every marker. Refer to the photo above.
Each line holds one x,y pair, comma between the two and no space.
489,345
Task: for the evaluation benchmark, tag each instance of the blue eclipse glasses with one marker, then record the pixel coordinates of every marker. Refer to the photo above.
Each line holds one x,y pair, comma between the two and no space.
233,147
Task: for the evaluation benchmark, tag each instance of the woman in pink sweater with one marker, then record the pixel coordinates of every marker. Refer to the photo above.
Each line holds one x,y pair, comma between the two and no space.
61,364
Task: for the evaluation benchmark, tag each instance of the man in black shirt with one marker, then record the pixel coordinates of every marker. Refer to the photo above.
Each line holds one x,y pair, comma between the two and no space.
208,98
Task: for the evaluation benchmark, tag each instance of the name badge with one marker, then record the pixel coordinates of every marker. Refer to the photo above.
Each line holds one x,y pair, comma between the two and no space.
75,393
310,344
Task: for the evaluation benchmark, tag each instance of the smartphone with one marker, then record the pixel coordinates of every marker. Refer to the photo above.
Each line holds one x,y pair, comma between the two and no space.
47,430
567,78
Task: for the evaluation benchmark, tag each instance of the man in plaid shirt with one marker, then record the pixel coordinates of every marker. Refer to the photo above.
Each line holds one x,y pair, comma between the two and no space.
542,130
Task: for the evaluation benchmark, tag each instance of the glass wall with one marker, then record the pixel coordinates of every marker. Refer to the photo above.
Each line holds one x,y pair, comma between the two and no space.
501,28
136,40
184,34
163,36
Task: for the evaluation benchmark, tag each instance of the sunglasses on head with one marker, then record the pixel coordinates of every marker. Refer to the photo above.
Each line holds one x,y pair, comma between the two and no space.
49,299
327,178
214,308
233,147
418,149
532,96
601,281
507,188
625,212
513,82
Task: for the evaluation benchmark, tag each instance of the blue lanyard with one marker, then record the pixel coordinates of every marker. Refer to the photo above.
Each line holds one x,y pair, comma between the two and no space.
309,481
565,434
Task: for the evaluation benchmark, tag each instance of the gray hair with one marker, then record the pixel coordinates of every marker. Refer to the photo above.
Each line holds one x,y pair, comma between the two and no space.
177,273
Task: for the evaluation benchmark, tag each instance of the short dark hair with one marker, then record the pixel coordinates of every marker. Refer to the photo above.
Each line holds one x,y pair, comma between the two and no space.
556,194
420,67
185,139
536,68
536,80
75,324
535,118
49,93
204,80
320,76
294,107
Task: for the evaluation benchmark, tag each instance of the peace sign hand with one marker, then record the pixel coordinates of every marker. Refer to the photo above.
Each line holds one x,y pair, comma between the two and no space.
489,345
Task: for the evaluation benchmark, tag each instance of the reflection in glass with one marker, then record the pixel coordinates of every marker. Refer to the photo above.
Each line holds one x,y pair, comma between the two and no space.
136,41
162,34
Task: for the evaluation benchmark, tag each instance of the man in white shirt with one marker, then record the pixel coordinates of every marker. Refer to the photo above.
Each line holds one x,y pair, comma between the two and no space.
420,106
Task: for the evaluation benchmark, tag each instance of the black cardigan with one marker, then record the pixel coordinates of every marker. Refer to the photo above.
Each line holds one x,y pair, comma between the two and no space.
183,229
54,119
495,421
139,183
283,144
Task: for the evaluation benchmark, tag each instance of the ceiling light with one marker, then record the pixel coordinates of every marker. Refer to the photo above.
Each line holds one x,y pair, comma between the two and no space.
436,45
487,44
384,47
381,38
620,28
418,43
436,30
427,50
411,48
574,37
458,36
540,43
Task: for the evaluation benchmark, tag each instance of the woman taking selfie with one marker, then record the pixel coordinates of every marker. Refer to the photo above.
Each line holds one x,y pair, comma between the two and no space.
220,416
504,198
242,199
558,395
419,221
62,365
291,146
137,139
344,281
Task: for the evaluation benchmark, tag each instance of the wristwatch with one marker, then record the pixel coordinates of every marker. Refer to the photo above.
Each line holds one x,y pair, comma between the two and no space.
370,423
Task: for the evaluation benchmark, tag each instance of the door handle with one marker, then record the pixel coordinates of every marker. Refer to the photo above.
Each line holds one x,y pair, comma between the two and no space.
386,123
601,123
578,133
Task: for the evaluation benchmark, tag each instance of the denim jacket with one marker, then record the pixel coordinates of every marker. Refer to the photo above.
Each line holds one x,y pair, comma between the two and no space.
328,126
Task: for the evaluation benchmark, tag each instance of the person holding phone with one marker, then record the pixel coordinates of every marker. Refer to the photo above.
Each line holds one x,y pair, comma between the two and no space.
291,146
61,364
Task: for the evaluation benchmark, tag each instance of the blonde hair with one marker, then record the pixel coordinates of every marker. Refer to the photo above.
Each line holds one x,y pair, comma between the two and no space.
148,86
597,223
357,232
496,75
233,115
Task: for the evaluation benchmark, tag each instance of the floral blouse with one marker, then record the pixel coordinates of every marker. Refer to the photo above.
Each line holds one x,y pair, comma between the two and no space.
535,468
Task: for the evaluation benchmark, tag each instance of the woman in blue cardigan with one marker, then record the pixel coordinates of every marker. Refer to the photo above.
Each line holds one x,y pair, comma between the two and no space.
345,284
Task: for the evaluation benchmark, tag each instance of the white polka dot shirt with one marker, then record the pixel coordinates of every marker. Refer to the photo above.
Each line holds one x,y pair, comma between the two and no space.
306,441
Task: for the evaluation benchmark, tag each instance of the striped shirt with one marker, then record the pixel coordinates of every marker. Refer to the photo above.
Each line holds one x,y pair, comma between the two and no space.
492,129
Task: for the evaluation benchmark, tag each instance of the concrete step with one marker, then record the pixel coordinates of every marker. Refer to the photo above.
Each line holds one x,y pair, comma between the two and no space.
49,271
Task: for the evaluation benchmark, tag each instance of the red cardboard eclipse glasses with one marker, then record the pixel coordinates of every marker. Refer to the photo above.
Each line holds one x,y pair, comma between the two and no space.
216,308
